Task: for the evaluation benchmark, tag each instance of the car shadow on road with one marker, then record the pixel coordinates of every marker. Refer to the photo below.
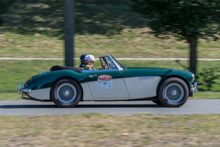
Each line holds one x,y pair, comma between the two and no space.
26,106
81,106
118,106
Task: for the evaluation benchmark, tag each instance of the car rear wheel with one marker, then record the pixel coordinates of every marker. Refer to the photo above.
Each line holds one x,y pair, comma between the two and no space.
173,92
66,93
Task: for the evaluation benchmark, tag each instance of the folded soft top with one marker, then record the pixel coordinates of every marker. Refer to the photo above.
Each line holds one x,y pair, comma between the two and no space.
59,67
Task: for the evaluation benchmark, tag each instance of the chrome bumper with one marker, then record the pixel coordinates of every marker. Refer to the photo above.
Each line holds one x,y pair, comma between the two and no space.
21,90
195,88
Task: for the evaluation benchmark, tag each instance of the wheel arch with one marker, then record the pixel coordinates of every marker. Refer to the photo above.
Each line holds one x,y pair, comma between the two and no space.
172,76
65,78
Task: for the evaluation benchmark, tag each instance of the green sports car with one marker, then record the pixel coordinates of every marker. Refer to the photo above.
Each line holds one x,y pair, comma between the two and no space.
66,86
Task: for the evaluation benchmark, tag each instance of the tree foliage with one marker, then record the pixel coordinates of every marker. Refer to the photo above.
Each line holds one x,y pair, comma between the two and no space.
181,18
4,4
185,19
91,17
206,78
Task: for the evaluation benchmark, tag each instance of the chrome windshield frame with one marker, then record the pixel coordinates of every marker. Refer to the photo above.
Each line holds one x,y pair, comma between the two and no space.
119,68
114,62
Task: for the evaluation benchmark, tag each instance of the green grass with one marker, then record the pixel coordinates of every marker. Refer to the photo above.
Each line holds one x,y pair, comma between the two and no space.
14,72
34,29
127,44
110,130
10,96
206,95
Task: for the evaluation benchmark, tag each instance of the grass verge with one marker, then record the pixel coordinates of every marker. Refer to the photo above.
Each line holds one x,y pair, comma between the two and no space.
129,43
110,130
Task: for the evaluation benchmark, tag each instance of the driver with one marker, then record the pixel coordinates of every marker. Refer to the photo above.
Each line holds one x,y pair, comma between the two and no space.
89,61
82,60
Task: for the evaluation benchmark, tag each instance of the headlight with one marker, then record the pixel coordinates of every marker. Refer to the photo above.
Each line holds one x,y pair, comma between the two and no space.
193,78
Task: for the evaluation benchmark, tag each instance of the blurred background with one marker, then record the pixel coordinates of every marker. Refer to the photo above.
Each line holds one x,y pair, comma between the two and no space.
35,28
187,29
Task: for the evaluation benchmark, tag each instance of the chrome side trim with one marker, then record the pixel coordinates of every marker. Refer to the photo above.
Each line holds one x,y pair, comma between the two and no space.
148,77
101,70
195,88
91,76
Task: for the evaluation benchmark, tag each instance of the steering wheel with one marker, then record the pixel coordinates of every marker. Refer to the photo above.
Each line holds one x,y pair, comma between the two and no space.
104,66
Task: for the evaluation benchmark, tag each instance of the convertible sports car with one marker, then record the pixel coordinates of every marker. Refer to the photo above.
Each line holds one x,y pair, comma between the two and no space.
66,86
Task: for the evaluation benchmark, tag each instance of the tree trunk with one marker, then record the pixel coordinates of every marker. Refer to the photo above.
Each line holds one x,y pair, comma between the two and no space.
69,32
193,54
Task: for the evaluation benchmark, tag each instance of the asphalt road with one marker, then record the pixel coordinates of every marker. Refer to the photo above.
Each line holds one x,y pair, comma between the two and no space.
24,107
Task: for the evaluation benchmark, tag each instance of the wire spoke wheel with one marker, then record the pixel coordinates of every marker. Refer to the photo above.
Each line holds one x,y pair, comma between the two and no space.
66,93
174,92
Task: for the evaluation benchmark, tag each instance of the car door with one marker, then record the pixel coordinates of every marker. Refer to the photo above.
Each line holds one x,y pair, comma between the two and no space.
140,83
107,85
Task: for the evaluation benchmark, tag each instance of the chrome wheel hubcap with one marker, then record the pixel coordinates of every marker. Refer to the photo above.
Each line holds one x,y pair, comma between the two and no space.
174,92
66,93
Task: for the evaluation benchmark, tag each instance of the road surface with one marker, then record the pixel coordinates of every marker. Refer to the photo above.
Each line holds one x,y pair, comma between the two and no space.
25,107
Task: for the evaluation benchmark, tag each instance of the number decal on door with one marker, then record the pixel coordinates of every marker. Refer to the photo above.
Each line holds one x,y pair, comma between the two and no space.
105,82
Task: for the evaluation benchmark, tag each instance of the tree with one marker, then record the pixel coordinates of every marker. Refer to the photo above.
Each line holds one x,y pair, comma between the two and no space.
4,4
185,19
69,32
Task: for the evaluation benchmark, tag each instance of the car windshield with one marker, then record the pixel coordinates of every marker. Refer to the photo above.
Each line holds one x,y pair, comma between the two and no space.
110,63
117,62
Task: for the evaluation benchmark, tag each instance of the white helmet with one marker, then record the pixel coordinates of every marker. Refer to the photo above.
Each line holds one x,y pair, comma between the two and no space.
89,58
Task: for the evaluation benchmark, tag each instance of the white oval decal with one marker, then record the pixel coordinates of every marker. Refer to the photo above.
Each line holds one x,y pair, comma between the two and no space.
105,82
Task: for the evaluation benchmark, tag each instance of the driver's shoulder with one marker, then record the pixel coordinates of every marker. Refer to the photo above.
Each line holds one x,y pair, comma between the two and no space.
88,67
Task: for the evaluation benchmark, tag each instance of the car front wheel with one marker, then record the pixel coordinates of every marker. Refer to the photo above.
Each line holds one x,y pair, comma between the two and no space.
66,93
173,92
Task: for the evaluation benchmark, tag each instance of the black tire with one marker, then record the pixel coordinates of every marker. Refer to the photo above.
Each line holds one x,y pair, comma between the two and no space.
156,102
66,93
173,92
